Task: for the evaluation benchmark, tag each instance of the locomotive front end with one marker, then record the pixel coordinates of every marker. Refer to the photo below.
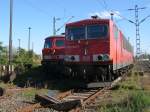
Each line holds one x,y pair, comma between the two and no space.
53,54
87,50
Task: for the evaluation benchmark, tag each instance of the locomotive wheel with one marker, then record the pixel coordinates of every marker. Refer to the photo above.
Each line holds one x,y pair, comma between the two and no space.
110,75
67,72
103,78
101,74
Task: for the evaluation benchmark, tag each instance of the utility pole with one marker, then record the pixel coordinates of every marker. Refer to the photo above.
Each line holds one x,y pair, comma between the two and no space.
54,25
10,33
29,39
137,24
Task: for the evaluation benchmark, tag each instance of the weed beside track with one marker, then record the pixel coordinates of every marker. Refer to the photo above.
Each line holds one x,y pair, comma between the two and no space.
131,95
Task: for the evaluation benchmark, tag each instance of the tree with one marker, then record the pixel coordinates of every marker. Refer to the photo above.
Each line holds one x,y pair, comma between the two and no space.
3,55
1,46
26,57
20,58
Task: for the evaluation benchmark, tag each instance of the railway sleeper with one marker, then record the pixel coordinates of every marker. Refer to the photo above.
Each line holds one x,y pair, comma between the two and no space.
50,102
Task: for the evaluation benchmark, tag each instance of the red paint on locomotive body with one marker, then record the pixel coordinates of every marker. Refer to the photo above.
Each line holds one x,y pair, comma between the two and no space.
121,50
53,48
97,41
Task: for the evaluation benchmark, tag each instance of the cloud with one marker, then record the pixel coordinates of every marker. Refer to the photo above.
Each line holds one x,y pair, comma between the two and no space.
106,14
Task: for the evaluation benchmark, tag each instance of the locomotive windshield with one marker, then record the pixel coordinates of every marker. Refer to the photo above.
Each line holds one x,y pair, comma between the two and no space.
48,44
76,33
60,43
87,32
97,31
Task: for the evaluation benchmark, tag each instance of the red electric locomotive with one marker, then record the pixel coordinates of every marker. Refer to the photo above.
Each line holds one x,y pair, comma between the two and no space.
53,53
96,49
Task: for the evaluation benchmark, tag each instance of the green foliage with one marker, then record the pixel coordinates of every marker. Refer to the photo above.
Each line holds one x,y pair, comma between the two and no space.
26,58
0,46
23,57
3,54
20,58
35,74
136,102
128,96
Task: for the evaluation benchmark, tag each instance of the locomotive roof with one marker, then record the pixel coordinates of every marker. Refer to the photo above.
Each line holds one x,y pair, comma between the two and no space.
56,36
88,21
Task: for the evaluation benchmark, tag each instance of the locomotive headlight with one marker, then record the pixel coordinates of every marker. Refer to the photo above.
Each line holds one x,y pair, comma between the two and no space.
106,57
99,57
72,58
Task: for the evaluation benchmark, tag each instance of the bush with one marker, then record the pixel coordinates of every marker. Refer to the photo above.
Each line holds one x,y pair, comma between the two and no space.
136,102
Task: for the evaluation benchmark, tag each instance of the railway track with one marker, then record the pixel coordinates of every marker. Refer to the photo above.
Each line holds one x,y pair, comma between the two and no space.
72,100
142,66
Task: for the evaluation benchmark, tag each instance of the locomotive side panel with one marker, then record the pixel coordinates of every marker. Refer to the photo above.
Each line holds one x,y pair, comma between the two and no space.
120,49
116,47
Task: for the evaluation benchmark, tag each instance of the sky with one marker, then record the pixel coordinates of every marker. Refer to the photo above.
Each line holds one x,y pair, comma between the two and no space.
38,14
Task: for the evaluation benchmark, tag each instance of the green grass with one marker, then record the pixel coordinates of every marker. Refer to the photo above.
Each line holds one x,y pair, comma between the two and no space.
136,102
6,85
128,96
29,93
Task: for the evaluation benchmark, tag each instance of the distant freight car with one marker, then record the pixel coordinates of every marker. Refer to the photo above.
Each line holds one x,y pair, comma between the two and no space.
53,54
95,49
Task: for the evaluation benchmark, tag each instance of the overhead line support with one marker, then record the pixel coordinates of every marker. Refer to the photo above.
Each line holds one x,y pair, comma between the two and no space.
137,24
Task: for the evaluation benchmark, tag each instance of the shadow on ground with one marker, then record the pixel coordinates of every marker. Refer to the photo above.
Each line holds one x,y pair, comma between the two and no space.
35,77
